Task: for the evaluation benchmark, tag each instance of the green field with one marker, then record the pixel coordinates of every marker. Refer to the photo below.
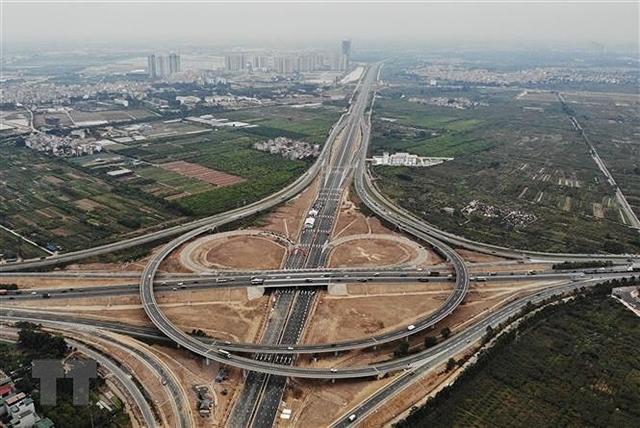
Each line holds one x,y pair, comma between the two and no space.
73,204
573,365
506,157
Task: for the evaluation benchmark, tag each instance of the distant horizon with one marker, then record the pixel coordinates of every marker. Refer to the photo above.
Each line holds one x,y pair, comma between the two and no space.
153,26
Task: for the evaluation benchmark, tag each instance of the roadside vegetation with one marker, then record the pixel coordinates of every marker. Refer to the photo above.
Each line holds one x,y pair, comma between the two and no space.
573,363
35,344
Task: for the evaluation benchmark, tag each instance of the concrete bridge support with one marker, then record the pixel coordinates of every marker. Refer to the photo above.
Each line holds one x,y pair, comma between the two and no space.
255,292
337,289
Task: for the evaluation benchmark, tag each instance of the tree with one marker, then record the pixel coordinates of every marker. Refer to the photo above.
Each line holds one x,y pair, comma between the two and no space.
451,363
430,341
445,332
402,350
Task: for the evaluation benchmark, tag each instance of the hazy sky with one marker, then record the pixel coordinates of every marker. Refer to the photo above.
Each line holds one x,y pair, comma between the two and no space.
218,23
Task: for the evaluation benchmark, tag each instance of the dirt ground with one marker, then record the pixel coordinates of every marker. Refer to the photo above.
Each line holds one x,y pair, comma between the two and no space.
315,403
236,318
370,252
239,252
26,283
289,218
351,221
173,264
345,318
337,318
192,372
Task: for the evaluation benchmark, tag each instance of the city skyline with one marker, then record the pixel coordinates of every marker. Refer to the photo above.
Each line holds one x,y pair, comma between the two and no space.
158,23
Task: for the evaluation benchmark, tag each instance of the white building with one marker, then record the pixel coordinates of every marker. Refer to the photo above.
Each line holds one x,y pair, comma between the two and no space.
407,159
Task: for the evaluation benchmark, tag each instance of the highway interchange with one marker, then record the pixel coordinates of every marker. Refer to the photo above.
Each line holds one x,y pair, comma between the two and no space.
313,255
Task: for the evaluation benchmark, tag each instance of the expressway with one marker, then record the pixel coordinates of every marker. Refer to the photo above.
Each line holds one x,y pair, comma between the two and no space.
261,396
216,352
419,363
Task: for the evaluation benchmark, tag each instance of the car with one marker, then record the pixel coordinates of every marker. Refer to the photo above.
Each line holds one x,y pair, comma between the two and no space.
164,380
376,274
308,280
34,292
352,417
174,288
423,279
290,348
403,275
221,279
362,279
334,370
181,283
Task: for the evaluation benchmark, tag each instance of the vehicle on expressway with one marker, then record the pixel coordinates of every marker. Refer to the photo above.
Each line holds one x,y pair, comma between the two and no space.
257,281
3,292
224,353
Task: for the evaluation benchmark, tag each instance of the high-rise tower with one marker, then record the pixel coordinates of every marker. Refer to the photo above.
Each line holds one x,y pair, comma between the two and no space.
151,66
346,54
346,48
174,63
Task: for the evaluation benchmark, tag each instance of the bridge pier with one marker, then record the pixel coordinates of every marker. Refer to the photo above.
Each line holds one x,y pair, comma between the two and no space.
337,289
255,292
